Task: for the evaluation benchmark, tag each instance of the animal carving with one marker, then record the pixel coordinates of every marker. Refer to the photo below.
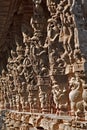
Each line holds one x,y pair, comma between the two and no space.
75,94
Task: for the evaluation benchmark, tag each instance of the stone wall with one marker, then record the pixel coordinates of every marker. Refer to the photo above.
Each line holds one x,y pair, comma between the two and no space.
44,78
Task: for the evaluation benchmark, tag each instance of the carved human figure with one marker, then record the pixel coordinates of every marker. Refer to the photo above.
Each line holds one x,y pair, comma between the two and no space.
51,7
38,19
44,93
77,55
4,90
27,65
52,41
18,104
52,32
56,94
60,98
43,98
67,32
13,62
36,51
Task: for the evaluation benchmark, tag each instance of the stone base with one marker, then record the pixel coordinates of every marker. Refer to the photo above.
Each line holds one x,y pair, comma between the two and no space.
46,121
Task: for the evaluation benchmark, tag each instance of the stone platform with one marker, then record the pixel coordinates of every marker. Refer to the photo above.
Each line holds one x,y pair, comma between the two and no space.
13,120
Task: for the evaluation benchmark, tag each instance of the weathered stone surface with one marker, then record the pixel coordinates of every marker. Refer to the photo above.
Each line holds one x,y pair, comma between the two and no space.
43,64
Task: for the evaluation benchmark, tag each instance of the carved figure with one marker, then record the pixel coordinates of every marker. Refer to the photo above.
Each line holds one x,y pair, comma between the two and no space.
51,7
76,90
56,95
37,61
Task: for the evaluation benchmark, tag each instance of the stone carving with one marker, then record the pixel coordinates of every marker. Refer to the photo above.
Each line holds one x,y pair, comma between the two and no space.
76,90
46,69
58,97
38,54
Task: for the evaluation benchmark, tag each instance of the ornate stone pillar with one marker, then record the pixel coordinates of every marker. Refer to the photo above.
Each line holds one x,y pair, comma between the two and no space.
38,54
44,93
33,98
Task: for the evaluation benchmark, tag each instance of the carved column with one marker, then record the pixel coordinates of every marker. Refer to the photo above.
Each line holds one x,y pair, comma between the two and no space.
57,49
44,93
33,98
38,54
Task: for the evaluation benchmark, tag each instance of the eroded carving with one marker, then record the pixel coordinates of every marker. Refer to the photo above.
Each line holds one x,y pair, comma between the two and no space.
46,69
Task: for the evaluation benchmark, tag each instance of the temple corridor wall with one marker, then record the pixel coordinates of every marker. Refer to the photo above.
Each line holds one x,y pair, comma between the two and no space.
43,81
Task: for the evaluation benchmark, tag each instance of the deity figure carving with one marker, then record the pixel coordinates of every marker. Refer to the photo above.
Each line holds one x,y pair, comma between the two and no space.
38,53
28,69
19,61
68,33
58,96
33,97
31,81
4,90
36,44
54,47
43,99
57,38
51,7
24,96
18,102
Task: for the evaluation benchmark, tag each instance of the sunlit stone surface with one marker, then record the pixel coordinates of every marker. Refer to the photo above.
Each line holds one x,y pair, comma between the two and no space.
43,65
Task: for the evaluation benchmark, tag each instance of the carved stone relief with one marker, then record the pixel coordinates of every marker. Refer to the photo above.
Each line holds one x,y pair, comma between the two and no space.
46,70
